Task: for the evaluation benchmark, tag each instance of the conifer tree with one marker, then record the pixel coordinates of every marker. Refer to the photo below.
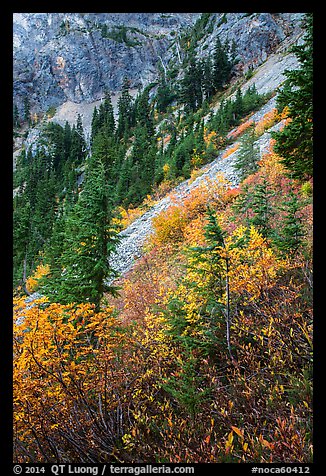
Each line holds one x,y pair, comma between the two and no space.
16,122
221,65
295,142
207,77
109,121
143,112
262,209
238,105
289,238
248,154
125,120
191,86
88,241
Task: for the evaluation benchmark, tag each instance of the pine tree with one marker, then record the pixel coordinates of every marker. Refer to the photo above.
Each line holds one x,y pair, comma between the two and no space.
289,238
262,209
295,142
88,241
125,120
248,154
16,122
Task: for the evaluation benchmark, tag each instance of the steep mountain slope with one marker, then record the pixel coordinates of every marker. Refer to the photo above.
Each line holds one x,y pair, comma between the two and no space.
135,235
201,351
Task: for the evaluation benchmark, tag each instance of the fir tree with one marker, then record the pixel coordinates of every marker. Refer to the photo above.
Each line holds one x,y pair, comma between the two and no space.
248,154
262,209
125,120
295,142
289,238
88,241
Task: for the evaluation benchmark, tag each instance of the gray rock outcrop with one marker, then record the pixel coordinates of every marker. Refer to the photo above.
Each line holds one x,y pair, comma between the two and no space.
60,57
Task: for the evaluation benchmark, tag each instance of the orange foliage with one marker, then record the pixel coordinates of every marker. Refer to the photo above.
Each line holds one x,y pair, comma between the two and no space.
240,129
230,150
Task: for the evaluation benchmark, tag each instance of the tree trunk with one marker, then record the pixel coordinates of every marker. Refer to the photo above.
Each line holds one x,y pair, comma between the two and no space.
227,312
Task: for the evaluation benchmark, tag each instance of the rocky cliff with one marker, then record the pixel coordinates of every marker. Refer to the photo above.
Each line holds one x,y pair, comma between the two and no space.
75,57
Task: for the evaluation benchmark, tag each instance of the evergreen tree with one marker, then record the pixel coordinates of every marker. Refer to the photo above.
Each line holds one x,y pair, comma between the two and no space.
262,209
21,235
143,113
88,241
252,100
289,238
125,120
248,154
295,142
222,66
207,78
238,105
191,86
109,121
78,143
16,122
95,125
164,96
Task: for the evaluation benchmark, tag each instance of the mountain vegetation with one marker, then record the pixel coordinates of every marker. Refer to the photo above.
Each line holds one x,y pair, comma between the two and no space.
202,353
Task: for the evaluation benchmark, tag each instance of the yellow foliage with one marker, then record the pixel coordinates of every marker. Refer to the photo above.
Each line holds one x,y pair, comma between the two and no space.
267,121
169,225
166,170
32,281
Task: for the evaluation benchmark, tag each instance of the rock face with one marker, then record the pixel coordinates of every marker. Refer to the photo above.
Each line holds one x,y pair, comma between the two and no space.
74,56
61,57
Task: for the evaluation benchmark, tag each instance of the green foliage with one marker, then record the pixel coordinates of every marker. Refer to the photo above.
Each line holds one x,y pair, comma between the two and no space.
16,121
164,96
88,241
125,110
294,142
289,237
262,208
248,154
120,34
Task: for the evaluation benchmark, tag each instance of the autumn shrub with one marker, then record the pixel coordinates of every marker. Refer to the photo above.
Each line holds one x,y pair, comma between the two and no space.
240,129
267,121
33,280
68,392
169,225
